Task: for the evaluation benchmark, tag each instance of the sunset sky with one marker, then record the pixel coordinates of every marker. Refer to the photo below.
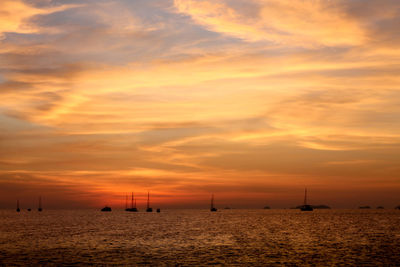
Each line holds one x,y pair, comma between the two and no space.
250,100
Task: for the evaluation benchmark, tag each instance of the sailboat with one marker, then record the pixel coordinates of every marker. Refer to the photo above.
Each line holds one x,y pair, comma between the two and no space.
148,203
132,208
212,208
126,202
18,209
40,204
305,206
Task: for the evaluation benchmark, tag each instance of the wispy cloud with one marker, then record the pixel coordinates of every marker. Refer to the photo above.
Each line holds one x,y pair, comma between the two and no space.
282,22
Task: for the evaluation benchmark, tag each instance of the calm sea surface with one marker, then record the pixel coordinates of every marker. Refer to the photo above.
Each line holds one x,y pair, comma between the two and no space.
199,237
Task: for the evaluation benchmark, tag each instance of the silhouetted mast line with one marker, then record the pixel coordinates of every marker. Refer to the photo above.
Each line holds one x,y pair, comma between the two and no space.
148,199
40,204
305,206
212,208
148,203
305,196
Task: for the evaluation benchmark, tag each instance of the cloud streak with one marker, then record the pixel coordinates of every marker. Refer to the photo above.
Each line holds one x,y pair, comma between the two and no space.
280,22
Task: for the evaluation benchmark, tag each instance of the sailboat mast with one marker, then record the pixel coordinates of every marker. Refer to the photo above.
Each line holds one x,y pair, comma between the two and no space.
40,204
148,199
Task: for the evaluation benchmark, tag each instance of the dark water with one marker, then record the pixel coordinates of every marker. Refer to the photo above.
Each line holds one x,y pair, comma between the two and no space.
199,237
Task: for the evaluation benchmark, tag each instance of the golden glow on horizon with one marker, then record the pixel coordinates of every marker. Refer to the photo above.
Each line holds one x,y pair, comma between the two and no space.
249,100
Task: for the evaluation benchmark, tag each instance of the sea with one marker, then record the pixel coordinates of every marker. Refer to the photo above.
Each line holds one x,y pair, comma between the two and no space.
233,237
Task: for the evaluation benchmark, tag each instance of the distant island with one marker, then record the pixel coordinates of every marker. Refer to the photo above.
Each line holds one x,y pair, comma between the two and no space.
321,207
364,207
106,208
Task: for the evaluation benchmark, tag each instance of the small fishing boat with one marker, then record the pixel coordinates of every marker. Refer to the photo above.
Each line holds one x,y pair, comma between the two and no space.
158,210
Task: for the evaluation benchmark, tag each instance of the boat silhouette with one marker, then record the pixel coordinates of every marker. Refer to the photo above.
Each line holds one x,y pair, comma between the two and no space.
126,202
40,204
106,208
158,210
148,203
18,209
212,208
305,206
133,207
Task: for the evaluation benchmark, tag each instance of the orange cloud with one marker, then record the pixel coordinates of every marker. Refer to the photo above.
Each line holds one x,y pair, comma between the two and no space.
283,22
16,13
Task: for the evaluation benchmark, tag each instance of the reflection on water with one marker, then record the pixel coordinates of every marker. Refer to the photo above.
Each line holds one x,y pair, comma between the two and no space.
200,237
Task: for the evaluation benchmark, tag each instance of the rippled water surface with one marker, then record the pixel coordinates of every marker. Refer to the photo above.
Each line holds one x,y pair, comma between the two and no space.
199,237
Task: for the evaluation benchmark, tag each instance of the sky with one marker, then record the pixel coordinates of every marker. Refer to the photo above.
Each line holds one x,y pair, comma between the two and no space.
249,100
